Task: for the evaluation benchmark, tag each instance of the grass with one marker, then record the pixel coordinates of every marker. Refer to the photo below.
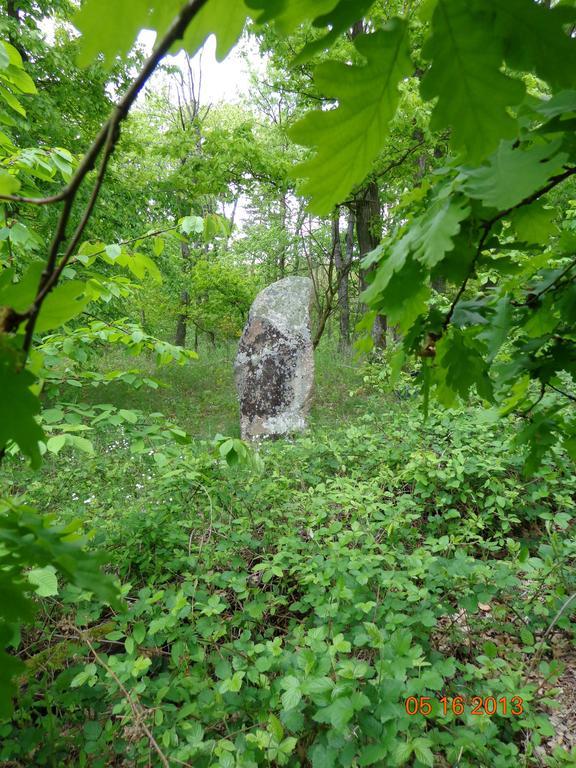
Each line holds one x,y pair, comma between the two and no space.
201,396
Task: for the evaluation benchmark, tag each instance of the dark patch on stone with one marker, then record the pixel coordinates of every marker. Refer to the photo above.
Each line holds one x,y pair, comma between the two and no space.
266,391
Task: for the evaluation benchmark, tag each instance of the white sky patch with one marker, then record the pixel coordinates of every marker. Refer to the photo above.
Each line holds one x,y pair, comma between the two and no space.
227,81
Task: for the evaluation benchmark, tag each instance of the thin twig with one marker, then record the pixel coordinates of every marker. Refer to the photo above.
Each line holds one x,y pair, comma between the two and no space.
487,227
561,392
137,711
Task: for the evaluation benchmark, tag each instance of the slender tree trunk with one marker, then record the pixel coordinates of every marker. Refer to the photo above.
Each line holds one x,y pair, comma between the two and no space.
342,264
182,323
284,245
368,230
13,11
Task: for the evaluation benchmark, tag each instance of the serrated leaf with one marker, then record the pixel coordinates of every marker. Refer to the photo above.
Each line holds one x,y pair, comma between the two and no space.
438,227
422,751
323,757
347,139
275,728
465,76
513,173
291,698
45,581
403,753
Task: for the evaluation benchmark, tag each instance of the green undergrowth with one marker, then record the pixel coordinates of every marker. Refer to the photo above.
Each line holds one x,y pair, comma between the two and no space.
282,613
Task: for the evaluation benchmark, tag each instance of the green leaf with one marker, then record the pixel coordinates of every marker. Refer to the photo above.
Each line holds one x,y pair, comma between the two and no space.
438,227
513,173
338,714
18,406
81,443
288,15
223,18
45,581
62,304
526,636
275,728
192,224
337,21
113,251
406,291
371,754
423,752
87,673
4,58
109,27
403,753
9,184
323,757
291,698
465,76
12,101
534,223
558,105
462,365
56,443
537,40
348,139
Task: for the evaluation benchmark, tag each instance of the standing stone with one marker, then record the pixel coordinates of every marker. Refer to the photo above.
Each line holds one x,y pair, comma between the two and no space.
275,361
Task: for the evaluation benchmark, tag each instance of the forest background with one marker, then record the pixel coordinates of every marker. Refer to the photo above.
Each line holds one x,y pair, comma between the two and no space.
171,596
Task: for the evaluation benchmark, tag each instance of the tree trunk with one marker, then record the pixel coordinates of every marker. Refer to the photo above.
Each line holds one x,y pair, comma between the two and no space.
13,11
368,230
181,325
342,264
284,245
182,322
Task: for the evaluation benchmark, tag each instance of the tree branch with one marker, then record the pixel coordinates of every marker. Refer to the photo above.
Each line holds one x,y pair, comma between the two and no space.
487,227
105,142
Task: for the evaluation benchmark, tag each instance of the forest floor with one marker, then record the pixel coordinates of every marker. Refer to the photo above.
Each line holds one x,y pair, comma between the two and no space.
293,610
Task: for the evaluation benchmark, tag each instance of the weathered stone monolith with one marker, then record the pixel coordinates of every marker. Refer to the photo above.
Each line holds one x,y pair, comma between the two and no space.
275,361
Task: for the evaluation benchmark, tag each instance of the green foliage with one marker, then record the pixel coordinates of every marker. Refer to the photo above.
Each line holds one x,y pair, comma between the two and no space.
349,138
28,539
296,608
465,75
